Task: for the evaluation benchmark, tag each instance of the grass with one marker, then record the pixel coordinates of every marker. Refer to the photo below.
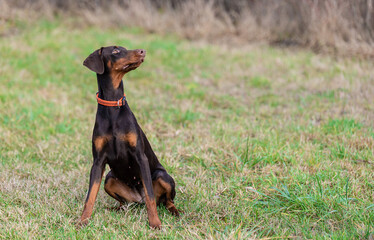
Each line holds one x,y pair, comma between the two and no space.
262,142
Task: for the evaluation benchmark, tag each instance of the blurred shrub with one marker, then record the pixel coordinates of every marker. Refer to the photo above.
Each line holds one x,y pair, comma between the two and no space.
333,25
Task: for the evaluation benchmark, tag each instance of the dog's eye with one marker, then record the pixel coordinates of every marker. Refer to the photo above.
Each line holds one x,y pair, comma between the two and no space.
115,51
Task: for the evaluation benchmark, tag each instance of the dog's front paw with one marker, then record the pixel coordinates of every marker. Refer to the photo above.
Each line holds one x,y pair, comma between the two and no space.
155,225
81,223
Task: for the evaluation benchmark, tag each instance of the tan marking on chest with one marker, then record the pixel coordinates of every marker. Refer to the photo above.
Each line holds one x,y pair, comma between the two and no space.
130,137
100,142
116,78
117,73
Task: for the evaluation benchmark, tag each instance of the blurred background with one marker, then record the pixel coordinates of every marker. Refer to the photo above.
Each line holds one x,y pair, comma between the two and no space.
322,25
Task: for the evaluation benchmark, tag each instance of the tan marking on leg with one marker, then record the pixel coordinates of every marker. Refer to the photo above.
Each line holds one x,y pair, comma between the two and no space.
130,137
88,206
114,186
161,187
154,220
165,185
100,142
158,190
172,209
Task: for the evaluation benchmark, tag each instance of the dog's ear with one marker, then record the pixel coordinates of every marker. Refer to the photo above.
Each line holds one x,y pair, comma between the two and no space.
95,62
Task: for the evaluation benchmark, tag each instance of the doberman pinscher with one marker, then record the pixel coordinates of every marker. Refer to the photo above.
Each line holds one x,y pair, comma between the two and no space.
136,174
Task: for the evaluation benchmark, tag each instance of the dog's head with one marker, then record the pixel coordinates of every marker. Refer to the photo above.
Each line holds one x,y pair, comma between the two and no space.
115,62
114,59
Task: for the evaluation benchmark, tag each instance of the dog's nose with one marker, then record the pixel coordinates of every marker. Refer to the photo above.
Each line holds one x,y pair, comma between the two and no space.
141,52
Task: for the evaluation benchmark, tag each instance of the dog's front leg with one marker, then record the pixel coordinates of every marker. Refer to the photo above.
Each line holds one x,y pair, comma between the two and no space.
154,220
96,175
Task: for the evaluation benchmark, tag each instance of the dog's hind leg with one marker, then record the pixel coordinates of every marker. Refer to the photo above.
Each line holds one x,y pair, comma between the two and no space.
164,189
120,191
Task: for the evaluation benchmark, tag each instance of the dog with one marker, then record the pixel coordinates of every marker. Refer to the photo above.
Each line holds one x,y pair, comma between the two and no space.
136,174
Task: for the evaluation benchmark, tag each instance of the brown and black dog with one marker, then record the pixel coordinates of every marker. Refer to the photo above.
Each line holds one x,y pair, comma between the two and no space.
136,174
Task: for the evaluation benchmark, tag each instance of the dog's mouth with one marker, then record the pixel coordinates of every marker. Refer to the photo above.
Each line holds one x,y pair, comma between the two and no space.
132,66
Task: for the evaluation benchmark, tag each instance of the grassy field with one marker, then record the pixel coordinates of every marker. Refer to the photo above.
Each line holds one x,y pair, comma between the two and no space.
262,142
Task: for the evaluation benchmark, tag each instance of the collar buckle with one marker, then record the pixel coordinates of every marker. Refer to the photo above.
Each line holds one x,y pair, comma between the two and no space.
121,102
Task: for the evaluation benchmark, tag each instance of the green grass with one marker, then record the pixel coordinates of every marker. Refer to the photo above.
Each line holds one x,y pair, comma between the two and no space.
262,142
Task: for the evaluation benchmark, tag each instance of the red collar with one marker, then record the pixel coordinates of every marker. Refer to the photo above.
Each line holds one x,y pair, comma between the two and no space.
119,103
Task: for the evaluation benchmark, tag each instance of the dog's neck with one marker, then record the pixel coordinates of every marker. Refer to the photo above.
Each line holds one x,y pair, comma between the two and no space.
106,89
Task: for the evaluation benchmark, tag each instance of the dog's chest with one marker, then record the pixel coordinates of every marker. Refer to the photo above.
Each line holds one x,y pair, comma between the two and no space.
124,166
